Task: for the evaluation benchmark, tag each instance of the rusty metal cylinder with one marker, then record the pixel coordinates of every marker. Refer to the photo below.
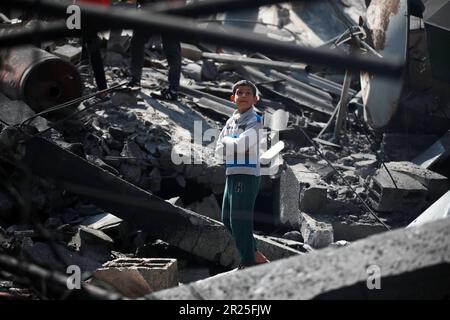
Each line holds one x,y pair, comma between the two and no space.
37,77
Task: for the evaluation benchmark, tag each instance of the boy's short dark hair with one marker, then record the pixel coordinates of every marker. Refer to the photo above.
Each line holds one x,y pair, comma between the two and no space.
245,83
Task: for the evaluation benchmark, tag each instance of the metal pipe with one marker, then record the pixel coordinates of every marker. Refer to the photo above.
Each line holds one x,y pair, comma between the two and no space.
342,111
235,59
37,77
150,22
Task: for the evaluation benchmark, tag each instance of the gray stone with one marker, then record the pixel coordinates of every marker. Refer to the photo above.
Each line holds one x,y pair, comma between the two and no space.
347,161
414,264
330,155
315,231
69,52
293,235
292,181
350,177
339,244
193,71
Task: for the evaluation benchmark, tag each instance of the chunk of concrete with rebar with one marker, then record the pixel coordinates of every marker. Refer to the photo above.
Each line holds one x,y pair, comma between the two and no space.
400,264
406,195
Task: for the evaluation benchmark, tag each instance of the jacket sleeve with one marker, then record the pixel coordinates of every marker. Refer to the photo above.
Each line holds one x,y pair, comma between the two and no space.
219,150
246,141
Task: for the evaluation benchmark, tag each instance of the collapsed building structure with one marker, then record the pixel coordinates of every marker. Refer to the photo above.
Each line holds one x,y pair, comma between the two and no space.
129,191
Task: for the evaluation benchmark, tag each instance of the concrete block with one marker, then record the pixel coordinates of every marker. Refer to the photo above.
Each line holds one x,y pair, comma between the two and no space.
436,184
292,181
409,196
317,232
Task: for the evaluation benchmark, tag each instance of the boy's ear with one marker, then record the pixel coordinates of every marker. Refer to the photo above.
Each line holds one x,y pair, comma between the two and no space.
232,98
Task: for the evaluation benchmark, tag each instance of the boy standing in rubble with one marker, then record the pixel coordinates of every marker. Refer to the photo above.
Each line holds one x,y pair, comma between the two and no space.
238,145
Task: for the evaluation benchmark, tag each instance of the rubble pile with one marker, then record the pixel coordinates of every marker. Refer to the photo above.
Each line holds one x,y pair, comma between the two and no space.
129,190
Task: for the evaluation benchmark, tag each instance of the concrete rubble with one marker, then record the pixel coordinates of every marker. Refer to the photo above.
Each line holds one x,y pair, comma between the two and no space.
415,264
130,190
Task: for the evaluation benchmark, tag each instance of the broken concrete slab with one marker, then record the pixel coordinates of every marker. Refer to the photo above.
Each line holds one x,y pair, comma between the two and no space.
316,233
292,181
436,184
181,228
409,196
412,264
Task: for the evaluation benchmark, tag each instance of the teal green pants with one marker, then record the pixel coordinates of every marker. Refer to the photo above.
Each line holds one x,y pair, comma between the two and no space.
237,213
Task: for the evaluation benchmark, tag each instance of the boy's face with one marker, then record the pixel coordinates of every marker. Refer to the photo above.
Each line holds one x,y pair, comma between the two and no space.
244,98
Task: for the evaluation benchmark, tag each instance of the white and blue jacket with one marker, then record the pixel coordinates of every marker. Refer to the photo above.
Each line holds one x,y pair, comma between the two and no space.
239,143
